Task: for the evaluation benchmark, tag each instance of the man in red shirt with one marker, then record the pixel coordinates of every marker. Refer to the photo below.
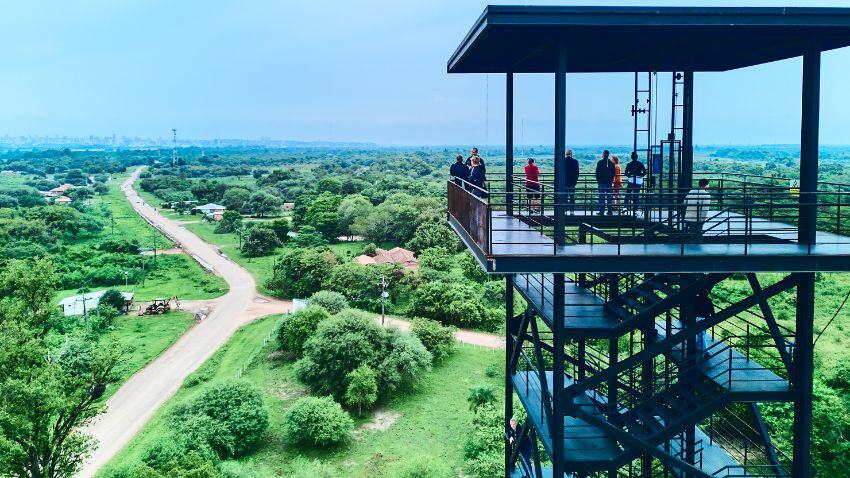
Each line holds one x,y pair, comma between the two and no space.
532,183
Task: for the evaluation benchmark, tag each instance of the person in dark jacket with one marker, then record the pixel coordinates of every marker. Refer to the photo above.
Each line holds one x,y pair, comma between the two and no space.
459,171
605,173
635,172
477,177
572,172
513,438
474,154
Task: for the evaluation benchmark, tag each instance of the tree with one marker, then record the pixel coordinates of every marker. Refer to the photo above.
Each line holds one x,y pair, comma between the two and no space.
351,208
438,339
323,216
470,267
298,327
362,388
480,396
239,410
333,302
361,284
308,237
431,234
302,272
231,221
281,229
113,298
234,199
350,339
436,258
263,203
261,241
455,304
317,421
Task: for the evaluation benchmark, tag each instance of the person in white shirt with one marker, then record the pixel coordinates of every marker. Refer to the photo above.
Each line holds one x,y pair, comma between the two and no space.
696,210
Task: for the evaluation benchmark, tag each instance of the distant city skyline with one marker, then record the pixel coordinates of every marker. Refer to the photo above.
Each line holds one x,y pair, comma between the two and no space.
364,72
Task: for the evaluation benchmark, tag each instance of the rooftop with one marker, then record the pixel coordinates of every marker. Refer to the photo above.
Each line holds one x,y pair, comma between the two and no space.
524,39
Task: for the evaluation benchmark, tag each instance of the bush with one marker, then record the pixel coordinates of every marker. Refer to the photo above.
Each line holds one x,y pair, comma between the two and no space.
350,339
239,407
438,339
302,272
370,250
317,421
332,301
231,221
102,318
487,465
471,268
298,327
480,396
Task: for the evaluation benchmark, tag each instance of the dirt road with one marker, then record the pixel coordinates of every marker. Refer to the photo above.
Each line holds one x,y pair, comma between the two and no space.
142,395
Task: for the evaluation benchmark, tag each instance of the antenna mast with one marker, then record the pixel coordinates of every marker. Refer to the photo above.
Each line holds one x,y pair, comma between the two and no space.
174,146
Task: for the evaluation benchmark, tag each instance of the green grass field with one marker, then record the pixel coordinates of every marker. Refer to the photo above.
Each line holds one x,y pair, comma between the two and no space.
431,421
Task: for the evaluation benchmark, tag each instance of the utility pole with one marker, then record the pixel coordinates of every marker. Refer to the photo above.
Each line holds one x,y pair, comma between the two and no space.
384,295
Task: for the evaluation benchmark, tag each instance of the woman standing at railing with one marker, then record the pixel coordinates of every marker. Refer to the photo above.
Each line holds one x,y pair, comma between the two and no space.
618,183
477,177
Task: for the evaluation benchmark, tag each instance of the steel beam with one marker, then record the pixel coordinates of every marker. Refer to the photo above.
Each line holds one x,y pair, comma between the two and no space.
778,340
509,346
558,397
809,124
560,143
803,376
509,142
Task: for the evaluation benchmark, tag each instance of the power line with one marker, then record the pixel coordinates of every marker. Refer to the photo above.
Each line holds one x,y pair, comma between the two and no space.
833,318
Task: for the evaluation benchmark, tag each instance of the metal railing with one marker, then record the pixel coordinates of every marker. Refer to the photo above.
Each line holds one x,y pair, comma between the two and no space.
743,210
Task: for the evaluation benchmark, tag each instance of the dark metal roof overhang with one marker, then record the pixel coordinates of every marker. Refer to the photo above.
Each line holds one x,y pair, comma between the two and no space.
524,39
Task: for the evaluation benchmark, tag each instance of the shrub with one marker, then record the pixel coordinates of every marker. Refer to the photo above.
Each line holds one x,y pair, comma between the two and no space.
456,304
261,241
231,221
317,421
471,268
362,388
480,396
494,292
487,465
296,328
332,301
438,339
370,250
301,272
239,408
102,318
350,339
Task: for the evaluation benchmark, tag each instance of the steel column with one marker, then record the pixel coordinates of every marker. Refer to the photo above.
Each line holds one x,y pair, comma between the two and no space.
809,124
509,142
560,144
558,403
803,376
509,346
686,174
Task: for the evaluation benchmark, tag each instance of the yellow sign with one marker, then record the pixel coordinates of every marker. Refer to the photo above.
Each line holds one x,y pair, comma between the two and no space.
794,187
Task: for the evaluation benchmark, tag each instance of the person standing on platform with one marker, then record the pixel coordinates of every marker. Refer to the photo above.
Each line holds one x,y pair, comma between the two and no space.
474,154
703,309
605,172
532,184
696,211
459,171
617,185
635,172
571,172
477,177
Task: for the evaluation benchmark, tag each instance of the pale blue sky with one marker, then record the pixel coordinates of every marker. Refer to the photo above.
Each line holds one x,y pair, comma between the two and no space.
343,71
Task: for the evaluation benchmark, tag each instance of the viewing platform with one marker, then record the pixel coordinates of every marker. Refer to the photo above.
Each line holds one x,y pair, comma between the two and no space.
749,225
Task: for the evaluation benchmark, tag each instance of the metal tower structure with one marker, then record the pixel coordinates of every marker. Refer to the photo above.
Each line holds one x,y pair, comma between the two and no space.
623,360
174,160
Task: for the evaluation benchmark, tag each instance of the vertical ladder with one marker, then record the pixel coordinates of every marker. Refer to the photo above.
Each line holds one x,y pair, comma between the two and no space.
642,114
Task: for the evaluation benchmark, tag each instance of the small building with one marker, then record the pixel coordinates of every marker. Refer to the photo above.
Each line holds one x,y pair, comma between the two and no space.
288,206
62,189
210,209
396,255
63,200
83,303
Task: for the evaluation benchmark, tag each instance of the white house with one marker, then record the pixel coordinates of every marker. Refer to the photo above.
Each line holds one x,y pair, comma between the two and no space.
83,303
211,209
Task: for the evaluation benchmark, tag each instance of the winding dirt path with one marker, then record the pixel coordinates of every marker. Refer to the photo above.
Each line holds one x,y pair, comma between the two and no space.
142,395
